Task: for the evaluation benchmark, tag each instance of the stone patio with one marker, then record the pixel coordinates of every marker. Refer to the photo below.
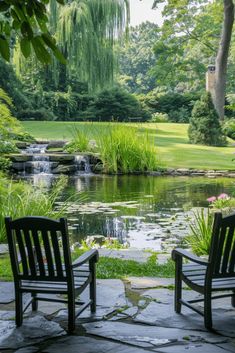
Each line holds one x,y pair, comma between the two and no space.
134,316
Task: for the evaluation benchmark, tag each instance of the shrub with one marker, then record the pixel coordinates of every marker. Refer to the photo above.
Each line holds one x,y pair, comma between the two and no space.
204,125
159,118
7,147
122,150
177,106
223,203
5,164
115,104
38,114
229,128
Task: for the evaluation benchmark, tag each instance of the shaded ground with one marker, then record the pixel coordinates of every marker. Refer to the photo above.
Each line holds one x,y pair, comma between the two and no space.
134,316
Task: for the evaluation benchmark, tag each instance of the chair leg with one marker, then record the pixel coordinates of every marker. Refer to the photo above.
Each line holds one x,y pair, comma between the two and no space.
233,299
207,310
71,313
178,284
93,287
18,308
34,302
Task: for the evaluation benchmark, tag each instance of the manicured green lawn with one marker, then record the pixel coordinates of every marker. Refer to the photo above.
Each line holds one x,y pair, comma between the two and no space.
171,141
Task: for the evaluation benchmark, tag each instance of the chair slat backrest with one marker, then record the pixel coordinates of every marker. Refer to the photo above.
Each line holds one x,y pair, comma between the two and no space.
39,248
222,252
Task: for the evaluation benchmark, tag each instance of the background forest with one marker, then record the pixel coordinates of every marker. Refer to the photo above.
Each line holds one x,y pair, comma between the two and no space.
153,73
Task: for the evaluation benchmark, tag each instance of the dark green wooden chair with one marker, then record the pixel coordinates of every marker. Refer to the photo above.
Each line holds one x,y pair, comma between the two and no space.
217,274
41,264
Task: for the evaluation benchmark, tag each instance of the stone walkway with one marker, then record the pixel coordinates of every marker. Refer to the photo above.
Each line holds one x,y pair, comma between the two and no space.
135,316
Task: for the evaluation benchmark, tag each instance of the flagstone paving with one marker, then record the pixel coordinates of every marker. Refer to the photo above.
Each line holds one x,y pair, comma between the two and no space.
134,316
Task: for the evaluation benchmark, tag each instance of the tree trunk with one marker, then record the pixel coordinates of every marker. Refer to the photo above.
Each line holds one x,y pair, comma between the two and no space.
222,58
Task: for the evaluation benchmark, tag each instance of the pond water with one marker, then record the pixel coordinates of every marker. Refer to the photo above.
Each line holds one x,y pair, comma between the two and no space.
144,212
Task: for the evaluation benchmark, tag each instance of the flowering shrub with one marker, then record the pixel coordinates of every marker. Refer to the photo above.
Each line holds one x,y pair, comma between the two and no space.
201,227
223,202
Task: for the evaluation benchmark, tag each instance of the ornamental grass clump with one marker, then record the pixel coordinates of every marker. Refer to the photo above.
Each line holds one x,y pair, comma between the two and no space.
19,199
201,229
123,149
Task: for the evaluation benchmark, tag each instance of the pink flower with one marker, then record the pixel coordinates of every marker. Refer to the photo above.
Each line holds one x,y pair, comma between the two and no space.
211,199
223,197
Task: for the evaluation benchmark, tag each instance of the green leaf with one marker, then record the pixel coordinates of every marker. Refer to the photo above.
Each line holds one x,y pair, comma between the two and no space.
4,6
59,56
51,43
7,29
4,48
40,51
26,30
25,47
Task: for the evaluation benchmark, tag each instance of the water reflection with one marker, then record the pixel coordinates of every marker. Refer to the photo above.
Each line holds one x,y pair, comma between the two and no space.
143,211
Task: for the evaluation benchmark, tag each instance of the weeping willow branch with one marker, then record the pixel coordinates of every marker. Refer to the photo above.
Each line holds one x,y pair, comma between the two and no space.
86,32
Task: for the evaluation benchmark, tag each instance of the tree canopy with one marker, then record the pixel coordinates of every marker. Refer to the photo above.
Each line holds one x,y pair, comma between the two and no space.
27,20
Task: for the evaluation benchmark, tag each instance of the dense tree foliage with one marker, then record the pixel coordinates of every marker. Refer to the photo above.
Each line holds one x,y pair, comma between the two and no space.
209,24
136,58
204,125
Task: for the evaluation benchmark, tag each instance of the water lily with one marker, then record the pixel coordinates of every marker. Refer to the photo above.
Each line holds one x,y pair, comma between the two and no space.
223,197
211,199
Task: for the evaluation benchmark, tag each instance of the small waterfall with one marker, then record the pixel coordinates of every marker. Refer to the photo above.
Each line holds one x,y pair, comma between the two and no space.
82,163
35,148
41,164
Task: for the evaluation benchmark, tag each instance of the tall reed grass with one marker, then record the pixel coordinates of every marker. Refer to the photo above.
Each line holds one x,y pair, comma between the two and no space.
19,199
124,149
80,140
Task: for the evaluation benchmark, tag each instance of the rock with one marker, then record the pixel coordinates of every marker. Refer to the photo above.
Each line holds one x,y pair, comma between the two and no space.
56,144
150,282
21,144
110,293
158,338
64,169
35,329
62,158
3,249
126,254
20,158
97,239
7,292
73,344
183,171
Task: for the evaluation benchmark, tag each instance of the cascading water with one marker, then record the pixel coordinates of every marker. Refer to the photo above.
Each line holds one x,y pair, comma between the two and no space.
82,163
41,164
40,160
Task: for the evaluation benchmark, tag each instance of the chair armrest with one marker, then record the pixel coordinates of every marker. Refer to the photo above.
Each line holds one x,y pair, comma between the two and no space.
87,256
178,252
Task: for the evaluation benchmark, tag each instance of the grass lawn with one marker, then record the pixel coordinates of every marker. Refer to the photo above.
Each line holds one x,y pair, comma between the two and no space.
110,268
171,141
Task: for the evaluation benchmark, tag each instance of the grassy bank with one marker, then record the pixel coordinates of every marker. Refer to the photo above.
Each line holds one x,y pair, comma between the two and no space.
171,140
111,268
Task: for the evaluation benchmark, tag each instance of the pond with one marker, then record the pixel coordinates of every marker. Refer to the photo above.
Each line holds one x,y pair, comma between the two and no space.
144,212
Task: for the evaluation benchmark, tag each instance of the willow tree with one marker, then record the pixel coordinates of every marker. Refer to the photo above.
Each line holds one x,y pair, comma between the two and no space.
86,31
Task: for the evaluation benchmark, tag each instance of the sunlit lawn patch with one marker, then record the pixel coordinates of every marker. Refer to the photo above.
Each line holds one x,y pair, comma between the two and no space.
171,140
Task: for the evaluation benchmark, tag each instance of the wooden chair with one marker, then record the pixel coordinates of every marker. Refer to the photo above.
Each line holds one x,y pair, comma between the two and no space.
216,274
41,264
